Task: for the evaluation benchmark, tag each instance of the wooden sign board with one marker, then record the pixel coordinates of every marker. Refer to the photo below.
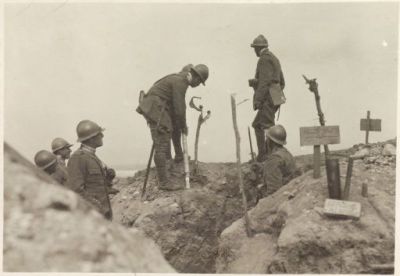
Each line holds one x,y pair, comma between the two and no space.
342,209
374,124
319,135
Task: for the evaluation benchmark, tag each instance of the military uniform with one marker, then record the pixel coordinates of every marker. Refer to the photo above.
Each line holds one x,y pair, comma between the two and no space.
87,177
165,103
61,172
279,169
268,72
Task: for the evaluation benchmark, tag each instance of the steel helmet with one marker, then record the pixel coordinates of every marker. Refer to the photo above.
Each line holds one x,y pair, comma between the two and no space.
259,41
277,134
59,143
187,67
44,159
87,129
202,71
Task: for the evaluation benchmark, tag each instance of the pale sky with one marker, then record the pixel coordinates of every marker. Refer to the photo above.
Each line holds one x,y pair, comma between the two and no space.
74,61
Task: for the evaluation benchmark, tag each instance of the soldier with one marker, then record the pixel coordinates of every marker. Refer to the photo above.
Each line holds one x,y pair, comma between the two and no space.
176,132
268,72
87,173
279,167
47,161
62,149
164,108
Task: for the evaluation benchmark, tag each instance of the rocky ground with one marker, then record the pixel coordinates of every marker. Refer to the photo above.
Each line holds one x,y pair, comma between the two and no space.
201,231
292,235
48,228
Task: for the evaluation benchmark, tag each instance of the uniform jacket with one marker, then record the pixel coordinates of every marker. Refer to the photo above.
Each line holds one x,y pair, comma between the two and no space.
268,71
61,174
279,169
87,177
167,94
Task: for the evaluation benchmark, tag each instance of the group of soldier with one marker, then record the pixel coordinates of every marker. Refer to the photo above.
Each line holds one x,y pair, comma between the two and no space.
164,109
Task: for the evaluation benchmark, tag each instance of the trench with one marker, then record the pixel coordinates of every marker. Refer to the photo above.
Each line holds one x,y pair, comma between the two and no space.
188,233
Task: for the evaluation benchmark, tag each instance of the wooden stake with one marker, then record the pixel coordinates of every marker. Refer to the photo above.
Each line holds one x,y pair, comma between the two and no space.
317,161
196,143
367,130
251,145
238,162
314,89
349,173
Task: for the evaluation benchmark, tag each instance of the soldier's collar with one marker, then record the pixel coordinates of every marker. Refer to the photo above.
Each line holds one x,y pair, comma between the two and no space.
88,149
264,50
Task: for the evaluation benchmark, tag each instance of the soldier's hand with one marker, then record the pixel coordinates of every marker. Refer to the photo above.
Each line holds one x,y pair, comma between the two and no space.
253,82
110,173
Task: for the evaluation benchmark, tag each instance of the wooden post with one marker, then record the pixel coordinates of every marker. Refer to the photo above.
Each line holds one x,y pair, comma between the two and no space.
367,130
186,161
317,161
238,163
196,144
333,177
251,145
314,89
349,173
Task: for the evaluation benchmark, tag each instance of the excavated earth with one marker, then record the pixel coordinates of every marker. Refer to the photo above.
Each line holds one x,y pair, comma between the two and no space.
200,230
292,234
48,228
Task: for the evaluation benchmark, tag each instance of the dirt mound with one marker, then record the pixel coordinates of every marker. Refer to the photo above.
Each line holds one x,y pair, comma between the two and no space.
186,224
292,235
49,228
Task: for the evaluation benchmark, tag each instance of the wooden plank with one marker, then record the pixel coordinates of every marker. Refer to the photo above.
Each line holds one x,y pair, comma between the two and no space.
317,161
340,208
319,135
374,124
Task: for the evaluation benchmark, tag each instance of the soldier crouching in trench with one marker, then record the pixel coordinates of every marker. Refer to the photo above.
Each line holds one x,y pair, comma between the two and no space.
47,161
279,167
87,173
164,108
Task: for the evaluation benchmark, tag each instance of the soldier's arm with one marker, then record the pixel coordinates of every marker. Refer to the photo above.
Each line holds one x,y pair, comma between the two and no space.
272,175
179,104
76,171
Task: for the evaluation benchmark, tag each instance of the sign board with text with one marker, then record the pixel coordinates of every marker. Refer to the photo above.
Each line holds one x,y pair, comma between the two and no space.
374,124
319,135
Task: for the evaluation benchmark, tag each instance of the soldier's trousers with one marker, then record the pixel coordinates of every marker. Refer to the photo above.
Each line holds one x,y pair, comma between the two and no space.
161,139
265,118
176,141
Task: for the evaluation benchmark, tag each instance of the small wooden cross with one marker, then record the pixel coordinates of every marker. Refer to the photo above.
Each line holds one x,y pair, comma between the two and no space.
369,124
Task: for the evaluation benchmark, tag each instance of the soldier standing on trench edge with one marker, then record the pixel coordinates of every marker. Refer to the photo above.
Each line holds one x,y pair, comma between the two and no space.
87,173
177,133
268,72
164,108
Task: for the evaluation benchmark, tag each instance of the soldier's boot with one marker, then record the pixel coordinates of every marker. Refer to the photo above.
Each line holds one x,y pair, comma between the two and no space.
261,145
176,140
